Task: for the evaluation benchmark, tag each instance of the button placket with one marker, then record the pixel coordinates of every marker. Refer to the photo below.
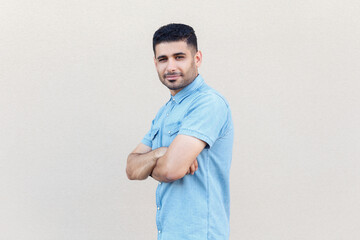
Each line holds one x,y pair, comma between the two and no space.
158,204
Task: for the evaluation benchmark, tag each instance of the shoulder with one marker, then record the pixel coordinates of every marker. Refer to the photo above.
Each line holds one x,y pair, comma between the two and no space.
209,96
208,116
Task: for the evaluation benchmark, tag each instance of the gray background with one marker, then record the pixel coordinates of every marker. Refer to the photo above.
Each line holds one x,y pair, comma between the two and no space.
78,90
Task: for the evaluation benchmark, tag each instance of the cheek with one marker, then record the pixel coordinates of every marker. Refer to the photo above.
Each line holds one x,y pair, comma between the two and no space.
188,67
184,66
159,68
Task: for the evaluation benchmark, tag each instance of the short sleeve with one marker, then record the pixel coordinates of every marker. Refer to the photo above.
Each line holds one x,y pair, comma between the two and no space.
147,140
206,118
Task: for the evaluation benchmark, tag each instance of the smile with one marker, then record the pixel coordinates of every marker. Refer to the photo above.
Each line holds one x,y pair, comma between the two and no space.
172,77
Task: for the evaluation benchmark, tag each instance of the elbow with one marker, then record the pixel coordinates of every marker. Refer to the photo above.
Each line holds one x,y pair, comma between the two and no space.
167,171
134,174
172,178
172,175
129,173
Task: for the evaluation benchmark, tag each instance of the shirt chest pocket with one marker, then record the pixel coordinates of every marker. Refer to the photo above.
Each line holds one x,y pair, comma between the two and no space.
171,130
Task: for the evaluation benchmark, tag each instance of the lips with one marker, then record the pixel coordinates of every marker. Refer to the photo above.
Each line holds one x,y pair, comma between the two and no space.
172,77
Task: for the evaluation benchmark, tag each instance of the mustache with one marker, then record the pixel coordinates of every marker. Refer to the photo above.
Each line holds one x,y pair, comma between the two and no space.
173,74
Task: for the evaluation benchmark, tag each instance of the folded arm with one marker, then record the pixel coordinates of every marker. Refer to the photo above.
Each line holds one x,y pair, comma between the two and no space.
179,159
142,161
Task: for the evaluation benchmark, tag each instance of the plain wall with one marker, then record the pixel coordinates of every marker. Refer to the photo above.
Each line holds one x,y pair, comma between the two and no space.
78,91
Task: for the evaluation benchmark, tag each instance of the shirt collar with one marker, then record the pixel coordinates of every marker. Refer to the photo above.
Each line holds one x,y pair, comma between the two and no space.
186,91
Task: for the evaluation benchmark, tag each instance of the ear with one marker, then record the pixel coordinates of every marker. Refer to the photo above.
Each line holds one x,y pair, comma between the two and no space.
198,58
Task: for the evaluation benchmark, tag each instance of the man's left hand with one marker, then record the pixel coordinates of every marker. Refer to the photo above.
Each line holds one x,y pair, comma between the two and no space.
194,167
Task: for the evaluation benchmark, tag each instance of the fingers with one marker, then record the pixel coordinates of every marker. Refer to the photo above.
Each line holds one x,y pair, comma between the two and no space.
192,169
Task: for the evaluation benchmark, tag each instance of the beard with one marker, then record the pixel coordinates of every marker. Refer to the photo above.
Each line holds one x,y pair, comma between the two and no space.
174,84
177,84
182,81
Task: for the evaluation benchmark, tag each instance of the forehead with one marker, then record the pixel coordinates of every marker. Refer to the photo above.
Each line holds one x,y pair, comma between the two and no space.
170,48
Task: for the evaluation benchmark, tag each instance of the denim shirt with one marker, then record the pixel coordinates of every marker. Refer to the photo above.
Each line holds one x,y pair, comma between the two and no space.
196,206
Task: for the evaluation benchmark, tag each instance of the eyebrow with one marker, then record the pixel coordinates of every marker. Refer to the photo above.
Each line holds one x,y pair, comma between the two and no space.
175,54
179,53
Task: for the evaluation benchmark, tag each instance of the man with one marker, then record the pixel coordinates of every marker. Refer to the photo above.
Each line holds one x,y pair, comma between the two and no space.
189,146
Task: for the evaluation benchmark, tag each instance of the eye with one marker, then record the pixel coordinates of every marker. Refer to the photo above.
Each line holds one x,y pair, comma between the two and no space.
162,59
179,57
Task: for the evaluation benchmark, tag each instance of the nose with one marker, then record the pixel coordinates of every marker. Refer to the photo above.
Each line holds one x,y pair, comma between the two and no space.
171,66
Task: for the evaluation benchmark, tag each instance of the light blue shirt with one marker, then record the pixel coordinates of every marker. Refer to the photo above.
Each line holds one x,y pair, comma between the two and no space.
196,207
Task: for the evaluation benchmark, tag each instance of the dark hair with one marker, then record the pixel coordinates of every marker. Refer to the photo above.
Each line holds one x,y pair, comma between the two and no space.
175,32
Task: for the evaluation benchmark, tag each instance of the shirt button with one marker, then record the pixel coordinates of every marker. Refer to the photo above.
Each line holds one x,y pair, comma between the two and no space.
159,183
169,132
158,208
159,231
167,114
